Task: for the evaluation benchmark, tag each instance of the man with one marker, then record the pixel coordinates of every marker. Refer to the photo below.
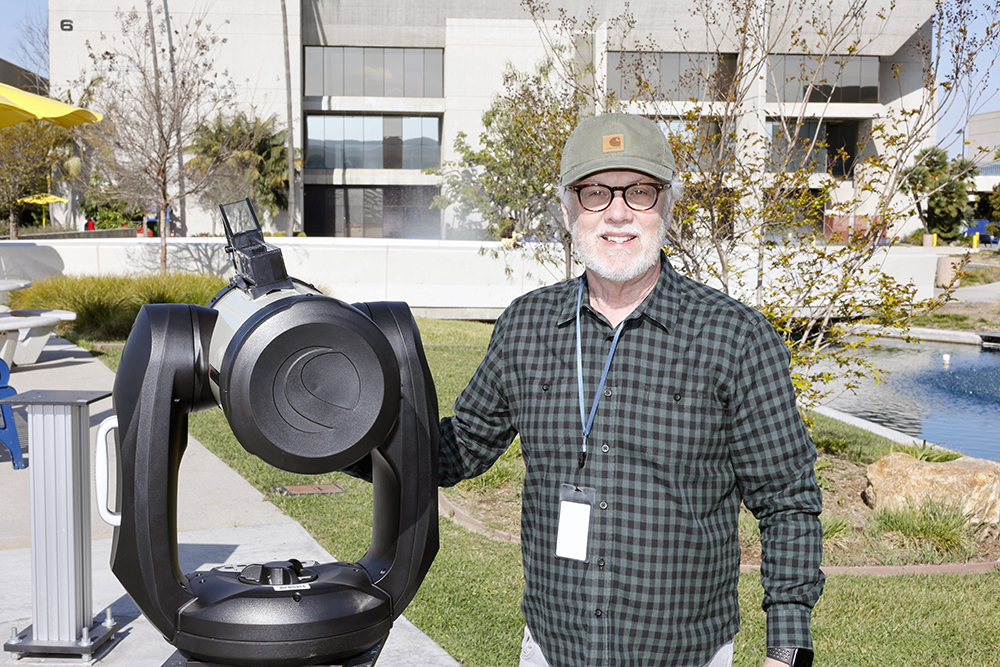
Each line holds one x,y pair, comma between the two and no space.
648,407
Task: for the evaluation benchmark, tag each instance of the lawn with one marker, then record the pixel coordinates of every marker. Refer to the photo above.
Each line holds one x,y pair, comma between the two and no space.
469,602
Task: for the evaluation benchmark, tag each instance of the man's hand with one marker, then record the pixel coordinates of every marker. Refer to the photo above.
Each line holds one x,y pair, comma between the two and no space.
771,662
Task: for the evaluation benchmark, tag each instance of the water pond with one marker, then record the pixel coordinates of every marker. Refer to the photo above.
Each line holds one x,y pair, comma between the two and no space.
944,393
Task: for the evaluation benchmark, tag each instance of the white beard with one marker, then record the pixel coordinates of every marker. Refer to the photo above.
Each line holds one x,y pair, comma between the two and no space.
629,264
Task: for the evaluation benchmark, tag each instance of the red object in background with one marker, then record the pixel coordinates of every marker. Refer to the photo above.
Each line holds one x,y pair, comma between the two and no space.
90,225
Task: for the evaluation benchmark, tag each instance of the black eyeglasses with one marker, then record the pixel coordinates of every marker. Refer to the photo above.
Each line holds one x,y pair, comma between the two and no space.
638,196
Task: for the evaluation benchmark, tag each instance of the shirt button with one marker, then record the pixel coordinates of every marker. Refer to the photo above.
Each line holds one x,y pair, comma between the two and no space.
598,613
600,562
607,393
545,387
677,397
604,505
605,448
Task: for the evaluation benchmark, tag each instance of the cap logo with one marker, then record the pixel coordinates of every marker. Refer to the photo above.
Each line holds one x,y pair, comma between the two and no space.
613,143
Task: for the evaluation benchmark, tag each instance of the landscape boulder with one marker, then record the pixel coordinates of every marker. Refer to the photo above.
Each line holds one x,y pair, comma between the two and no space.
970,483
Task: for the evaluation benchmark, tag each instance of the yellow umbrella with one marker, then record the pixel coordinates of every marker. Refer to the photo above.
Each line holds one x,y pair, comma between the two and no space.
42,198
18,105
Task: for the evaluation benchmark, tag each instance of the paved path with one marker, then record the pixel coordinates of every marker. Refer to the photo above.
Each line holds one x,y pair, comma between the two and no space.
989,293
221,518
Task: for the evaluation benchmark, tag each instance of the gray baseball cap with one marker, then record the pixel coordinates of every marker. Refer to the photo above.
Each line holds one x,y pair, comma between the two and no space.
616,141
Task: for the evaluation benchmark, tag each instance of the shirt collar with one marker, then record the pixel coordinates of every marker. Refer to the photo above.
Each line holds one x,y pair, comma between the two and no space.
659,306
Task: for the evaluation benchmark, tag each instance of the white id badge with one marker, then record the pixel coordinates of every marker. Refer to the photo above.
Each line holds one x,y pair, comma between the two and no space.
575,505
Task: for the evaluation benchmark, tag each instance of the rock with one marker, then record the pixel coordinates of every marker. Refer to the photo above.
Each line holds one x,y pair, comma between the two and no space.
973,484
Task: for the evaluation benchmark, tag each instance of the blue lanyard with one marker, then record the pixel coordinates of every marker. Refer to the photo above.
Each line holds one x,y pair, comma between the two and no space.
585,421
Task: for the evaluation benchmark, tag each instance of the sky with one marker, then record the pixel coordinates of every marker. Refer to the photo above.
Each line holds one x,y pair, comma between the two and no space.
13,11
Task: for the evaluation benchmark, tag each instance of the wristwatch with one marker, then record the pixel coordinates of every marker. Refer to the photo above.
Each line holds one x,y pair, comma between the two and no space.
796,657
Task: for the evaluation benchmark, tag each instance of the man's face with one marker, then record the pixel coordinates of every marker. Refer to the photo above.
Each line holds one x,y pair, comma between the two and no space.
618,244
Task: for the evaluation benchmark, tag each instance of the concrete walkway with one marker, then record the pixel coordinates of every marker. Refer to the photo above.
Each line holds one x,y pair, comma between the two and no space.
989,293
221,519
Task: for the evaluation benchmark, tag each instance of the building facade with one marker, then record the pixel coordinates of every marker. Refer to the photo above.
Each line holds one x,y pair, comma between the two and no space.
382,88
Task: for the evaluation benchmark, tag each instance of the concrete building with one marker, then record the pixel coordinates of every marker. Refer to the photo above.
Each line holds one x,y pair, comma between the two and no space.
983,138
17,76
381,88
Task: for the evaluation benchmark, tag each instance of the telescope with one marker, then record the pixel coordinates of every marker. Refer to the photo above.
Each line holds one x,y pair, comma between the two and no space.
309,384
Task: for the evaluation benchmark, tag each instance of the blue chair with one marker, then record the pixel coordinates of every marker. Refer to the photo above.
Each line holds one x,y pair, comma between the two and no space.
8,432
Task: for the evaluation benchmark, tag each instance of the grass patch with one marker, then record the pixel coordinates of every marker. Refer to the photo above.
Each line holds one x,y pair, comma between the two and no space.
832,526
911,621
109,352
749,527
438,333
959,315
927,452
943,526
822,464
980,274
836,438
106,306
945,321
454,351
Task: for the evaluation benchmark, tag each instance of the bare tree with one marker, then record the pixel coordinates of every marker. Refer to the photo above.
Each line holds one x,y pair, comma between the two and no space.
33,49
155,94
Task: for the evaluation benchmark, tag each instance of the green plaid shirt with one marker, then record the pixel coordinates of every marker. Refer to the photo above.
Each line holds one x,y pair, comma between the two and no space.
698,413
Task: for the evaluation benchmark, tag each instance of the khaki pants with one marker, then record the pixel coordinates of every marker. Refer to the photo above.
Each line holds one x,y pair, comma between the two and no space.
531,654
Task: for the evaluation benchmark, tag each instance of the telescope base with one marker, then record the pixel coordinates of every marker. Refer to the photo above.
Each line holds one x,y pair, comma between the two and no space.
366,659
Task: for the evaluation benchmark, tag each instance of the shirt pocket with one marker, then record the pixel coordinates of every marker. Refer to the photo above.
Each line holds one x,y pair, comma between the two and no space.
686,425
547,415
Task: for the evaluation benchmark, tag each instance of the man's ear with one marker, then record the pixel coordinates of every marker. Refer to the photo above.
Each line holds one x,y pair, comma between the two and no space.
668,215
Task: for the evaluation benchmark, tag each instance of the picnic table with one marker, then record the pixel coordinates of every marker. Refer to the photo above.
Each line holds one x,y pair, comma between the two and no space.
23,338
35,328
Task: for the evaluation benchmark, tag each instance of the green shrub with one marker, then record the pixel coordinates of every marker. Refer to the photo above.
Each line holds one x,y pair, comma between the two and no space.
935,523
822,480
927,452
832,525
111,214
980,275
106,306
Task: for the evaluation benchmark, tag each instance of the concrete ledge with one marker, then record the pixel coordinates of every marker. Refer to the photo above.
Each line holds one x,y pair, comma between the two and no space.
922,333
895,436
